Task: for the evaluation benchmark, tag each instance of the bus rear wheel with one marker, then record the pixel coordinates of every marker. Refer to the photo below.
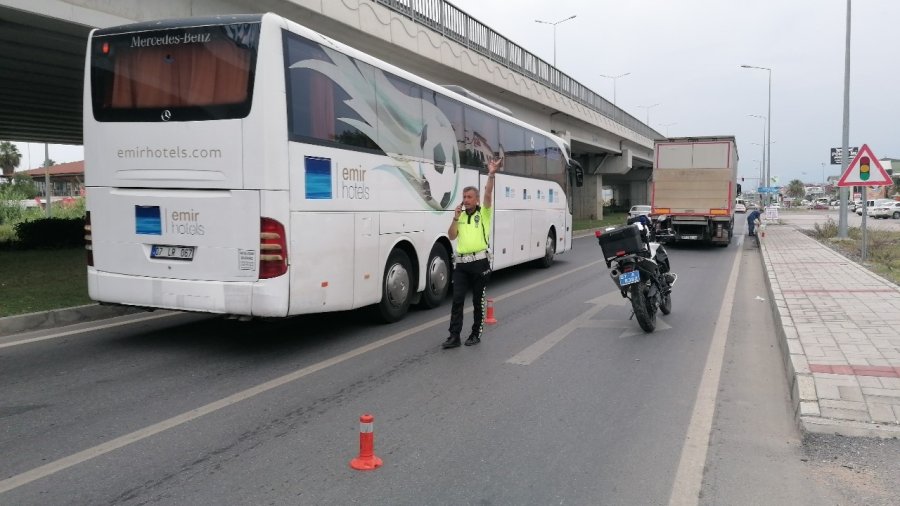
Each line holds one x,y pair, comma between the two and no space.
437,277
395,287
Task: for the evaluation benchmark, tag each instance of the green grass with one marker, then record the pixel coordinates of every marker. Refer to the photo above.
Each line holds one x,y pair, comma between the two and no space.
609,219
39,280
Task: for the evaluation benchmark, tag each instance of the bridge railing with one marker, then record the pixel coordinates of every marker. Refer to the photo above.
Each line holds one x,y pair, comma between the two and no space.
455,24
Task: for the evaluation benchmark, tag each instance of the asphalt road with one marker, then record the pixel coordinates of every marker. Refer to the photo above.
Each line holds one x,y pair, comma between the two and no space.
565,401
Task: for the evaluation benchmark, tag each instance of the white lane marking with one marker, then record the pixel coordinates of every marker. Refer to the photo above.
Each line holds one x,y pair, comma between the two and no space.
138,435
543,345
86,329
689,477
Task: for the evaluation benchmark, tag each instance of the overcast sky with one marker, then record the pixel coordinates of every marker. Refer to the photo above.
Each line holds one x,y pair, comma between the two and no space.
685,55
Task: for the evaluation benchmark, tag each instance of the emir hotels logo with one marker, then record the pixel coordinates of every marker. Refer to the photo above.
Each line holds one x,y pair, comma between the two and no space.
184,223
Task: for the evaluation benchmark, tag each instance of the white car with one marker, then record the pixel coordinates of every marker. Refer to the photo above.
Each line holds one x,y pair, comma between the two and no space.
888,210
740,208
639,210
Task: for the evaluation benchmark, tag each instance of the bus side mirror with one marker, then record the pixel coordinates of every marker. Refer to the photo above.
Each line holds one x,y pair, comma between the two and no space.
577,171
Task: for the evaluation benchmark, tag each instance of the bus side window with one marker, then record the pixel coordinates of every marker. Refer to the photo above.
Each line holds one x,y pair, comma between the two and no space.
512,138
482,142
400,110
453,111
536,144
315,102
556,165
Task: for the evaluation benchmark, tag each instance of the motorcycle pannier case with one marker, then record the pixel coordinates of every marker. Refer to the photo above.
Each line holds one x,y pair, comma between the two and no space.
623,240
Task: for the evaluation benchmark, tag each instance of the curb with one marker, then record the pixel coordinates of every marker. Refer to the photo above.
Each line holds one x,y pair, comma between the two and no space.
800,379
61,317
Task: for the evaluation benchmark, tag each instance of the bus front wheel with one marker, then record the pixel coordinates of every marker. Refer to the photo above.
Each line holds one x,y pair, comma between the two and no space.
395,287
437,277
549,250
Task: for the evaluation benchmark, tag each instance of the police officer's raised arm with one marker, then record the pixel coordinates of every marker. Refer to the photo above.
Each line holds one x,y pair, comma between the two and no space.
493,165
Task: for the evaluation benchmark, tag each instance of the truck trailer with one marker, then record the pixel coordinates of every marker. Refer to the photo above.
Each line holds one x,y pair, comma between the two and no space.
694,188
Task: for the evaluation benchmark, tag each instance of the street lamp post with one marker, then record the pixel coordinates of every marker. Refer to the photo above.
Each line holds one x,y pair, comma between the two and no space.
614,83
769,124
765,129
648,107
667,125
554,23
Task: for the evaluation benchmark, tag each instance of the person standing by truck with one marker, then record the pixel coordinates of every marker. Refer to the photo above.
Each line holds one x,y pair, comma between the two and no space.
752,220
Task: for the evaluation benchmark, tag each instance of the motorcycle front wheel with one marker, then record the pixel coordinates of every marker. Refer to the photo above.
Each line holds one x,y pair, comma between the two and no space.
643,307
665,303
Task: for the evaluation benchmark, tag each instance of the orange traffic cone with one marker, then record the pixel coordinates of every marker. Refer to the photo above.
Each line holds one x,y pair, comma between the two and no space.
367,460
490,320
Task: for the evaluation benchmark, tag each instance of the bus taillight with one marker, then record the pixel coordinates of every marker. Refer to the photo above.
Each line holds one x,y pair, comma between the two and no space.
272,249
88,239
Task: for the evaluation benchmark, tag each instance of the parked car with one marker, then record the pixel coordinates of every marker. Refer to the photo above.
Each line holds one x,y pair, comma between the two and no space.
639,210
740,208
887,210
871,204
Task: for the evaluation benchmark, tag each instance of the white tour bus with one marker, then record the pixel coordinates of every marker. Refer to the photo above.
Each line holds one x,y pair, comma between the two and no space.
248,165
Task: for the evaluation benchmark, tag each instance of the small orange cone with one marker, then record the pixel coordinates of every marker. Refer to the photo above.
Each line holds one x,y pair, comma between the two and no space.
490,320
367,460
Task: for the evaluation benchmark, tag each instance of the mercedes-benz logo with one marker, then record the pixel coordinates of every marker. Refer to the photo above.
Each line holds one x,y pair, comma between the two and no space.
166,115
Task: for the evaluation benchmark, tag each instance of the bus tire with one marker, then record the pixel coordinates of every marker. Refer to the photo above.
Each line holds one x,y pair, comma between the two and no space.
437,277
549,250
395,287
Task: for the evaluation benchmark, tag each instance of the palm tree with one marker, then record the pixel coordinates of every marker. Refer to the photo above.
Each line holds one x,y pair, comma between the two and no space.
796,189
9,157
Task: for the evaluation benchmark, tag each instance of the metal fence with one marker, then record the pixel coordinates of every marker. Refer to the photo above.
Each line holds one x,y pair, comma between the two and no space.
455,24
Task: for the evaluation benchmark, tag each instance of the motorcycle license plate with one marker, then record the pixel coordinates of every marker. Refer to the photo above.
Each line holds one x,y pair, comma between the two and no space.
628,278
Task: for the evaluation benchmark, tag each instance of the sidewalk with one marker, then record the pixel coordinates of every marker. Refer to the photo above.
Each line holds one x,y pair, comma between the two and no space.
840,329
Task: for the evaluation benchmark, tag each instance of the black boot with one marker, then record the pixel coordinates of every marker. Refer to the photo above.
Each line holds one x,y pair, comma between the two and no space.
472,340
451,342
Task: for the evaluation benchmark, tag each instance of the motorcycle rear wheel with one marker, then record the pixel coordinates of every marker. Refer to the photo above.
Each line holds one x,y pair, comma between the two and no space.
643,307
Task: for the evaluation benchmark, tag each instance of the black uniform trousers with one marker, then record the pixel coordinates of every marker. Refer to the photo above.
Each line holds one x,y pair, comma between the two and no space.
469,276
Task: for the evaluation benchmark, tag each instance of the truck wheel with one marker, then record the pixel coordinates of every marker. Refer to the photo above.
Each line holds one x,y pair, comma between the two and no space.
395,287
437,277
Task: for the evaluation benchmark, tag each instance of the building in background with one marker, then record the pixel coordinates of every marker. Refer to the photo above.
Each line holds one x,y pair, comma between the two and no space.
66,179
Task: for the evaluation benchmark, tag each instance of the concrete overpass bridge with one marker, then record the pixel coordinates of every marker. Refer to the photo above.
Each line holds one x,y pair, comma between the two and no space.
42,50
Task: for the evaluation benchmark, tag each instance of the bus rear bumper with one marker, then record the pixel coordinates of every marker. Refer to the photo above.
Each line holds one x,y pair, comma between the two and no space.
225,297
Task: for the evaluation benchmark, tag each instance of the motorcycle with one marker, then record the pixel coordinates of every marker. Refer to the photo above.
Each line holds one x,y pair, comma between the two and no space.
640,269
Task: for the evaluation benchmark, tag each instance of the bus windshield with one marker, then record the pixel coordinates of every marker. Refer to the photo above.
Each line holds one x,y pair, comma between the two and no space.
183,74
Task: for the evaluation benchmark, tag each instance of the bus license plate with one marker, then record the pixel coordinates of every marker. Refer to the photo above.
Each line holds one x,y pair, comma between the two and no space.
628,278
172,252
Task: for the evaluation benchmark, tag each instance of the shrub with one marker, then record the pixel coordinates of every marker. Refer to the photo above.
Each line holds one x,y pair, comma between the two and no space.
826,231
51,233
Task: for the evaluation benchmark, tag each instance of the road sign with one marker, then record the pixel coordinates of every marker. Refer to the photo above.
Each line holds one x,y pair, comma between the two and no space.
865,169
836,154
767,189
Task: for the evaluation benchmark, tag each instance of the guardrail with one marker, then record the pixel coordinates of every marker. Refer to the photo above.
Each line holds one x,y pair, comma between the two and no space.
455,24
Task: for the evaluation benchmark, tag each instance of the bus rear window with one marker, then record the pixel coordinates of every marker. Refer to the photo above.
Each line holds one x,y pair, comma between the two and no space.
180,74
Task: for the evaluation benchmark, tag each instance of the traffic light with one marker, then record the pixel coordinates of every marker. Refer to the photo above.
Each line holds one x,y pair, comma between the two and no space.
864,168
739,187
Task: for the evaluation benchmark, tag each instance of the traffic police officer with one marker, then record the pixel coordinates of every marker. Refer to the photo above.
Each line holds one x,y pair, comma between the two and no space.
472,230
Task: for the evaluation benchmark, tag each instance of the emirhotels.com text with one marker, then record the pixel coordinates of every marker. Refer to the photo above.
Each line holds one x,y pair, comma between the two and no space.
171,152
